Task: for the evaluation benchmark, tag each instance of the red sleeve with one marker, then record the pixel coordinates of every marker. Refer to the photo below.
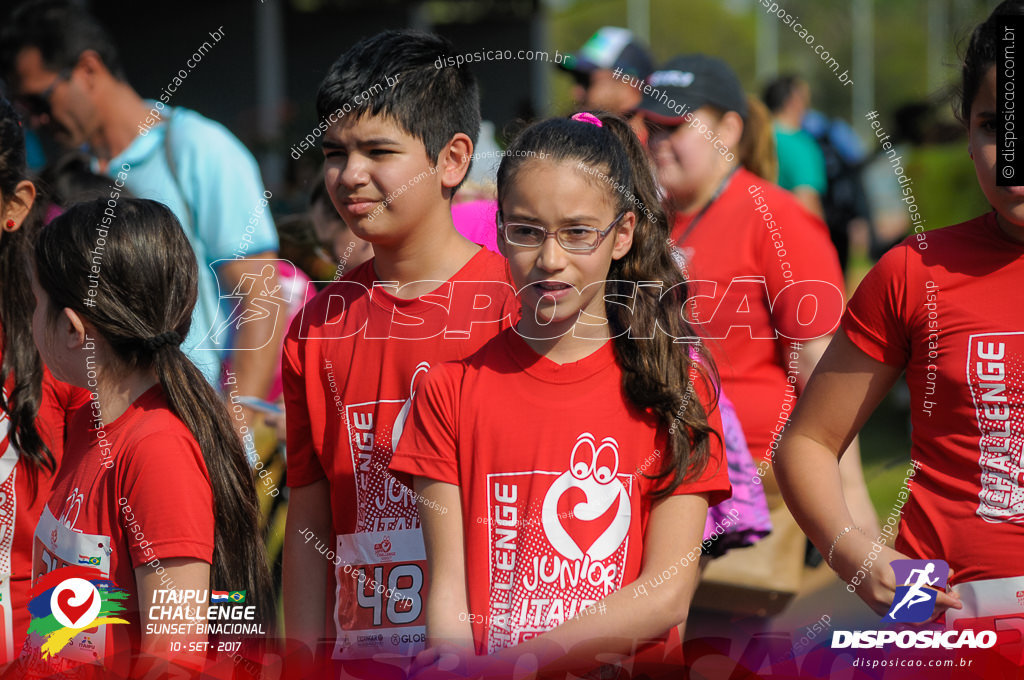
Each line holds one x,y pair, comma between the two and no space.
166,483
429,444
802,262
59,403
714,481
876,320
303,465
73,398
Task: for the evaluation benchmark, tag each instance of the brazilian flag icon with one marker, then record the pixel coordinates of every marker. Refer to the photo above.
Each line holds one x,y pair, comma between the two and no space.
237,596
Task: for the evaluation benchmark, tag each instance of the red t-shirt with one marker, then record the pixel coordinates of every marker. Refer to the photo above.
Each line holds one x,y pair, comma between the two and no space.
950,313
23,503
141,494
352,362
532,444
759,262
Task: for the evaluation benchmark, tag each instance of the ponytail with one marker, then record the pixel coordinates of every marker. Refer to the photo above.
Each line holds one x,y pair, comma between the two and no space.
658,373
143,304
239,556
757,143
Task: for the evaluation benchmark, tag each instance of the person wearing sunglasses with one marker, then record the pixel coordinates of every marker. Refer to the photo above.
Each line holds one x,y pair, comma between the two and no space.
769,292
38,106
67,76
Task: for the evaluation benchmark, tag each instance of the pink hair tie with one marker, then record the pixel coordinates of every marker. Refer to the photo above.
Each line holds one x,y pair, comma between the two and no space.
584,117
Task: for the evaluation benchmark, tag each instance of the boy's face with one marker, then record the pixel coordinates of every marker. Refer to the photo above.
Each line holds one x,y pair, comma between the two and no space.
379,178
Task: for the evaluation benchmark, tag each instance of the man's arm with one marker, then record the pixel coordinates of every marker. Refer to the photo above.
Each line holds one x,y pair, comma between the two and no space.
810,199
231,218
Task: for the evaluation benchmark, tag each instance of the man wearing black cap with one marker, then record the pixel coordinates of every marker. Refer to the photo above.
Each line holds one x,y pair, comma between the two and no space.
609,51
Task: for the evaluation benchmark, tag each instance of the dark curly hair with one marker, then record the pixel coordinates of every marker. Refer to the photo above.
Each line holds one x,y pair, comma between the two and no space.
658,373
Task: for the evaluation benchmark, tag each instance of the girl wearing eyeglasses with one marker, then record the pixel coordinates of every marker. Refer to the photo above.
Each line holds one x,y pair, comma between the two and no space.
565,470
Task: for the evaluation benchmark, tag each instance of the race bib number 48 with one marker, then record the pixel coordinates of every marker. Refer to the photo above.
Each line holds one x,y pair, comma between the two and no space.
381,594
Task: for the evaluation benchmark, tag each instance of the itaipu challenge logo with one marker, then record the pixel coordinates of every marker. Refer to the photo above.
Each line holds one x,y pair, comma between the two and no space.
69,600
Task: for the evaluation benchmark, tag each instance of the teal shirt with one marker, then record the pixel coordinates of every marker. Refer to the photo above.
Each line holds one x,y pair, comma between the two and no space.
218,198
801,162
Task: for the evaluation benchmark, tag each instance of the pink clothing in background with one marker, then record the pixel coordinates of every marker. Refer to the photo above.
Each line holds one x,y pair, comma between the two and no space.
476,221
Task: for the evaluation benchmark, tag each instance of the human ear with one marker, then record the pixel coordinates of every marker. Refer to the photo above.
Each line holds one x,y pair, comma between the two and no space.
72,328
730,129
17,208
453,162
624,235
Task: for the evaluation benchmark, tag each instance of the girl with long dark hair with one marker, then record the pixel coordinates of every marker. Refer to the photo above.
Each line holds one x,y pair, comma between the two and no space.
33,406
567,467
155,489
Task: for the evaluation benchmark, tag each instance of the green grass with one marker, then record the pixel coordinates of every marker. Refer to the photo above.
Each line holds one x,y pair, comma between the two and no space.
885,452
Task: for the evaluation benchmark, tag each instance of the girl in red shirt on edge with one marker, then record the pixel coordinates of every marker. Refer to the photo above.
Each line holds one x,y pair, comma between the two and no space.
579,451
154,489
944,306
33,406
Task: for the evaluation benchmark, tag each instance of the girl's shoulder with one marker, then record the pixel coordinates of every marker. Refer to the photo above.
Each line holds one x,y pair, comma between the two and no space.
151,425
157,446
766,206
450,379
970,248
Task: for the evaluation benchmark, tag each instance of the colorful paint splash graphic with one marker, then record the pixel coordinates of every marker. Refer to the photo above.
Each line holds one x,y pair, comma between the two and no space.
69,600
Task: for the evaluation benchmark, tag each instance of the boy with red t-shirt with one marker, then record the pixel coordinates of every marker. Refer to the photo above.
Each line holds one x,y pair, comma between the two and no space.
353,358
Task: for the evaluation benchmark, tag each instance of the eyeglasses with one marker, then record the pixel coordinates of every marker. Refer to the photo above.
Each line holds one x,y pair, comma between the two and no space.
39,104
574,238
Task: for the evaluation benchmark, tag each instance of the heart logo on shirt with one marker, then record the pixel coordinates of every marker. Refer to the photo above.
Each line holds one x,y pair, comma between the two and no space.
585,533
586,510
75,603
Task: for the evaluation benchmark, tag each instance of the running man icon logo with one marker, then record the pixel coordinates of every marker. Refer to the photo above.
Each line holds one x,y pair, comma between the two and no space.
264,302
916,590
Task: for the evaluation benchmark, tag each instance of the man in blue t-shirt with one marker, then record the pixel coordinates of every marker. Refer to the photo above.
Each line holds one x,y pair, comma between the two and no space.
65,70
801,162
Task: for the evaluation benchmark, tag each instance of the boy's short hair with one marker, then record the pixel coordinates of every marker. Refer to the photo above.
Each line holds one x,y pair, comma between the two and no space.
430,103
